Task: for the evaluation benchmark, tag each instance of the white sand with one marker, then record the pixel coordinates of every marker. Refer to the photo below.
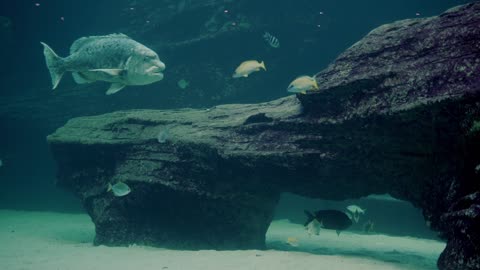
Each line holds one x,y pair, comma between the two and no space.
53,241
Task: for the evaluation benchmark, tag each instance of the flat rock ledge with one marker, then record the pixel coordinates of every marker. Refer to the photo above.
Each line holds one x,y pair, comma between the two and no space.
398,113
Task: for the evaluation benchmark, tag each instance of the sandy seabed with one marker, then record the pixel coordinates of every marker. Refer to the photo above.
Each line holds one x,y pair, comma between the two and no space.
56,241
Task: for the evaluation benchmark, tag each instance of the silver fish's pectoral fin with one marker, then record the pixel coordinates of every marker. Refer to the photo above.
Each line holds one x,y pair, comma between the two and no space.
114,88
109,71
80,78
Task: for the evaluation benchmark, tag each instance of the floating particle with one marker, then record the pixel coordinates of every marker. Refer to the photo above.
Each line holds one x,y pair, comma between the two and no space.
37,4
417,14
183,83
225,11
62,18
321,13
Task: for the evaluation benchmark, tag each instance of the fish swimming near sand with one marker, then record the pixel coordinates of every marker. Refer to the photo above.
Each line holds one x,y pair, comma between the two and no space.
271,40
248,67
114,58
120,189
292,241
330,219
313,227
303,84
355,212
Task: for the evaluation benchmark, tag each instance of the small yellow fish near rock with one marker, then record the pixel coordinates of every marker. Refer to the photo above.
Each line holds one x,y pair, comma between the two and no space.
248,67
303,84
292,241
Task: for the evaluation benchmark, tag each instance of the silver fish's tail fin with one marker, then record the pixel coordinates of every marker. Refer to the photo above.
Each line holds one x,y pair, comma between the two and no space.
54,64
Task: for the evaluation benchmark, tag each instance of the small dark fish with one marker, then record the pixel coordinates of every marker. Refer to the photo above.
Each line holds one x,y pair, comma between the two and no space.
271,40
330,219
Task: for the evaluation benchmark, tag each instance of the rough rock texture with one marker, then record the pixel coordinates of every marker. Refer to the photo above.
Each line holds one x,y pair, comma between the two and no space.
462,251
396,113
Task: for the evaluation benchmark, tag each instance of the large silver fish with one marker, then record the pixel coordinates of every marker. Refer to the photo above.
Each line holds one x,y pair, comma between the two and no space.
114,58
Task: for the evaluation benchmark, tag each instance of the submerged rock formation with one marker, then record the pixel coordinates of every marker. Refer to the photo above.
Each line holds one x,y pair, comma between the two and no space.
396,113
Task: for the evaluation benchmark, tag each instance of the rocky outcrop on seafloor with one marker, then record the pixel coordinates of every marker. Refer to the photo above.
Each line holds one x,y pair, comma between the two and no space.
396,113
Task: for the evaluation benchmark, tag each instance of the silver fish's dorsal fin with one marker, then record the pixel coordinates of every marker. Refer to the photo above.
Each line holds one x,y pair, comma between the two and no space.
79,43
114,88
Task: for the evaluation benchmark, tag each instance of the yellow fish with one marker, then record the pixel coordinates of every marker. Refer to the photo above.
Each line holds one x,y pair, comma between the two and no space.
303,84
248,67
292,241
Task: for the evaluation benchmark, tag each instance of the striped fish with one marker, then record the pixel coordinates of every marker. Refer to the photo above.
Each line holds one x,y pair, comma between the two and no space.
271,40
